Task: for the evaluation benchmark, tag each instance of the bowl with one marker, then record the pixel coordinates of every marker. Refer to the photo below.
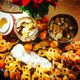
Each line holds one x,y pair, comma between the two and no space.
6,23
62,28
26,29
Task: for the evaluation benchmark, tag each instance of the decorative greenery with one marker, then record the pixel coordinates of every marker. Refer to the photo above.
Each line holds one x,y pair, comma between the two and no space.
36,7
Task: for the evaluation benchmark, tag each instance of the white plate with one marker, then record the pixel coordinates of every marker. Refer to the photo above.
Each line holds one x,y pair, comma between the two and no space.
7,28
20,15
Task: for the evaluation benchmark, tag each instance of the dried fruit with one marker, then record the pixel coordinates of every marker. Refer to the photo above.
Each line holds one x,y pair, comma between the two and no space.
43,35
54,44
28,46
2,64
36,47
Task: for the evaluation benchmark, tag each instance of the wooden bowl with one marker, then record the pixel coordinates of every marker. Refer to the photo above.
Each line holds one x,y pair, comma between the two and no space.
62,28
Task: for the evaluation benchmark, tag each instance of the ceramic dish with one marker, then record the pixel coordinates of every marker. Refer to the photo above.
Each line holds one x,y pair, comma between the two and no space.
6,24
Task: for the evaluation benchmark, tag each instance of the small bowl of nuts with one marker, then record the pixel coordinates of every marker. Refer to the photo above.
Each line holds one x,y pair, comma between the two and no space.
62,28
26,29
